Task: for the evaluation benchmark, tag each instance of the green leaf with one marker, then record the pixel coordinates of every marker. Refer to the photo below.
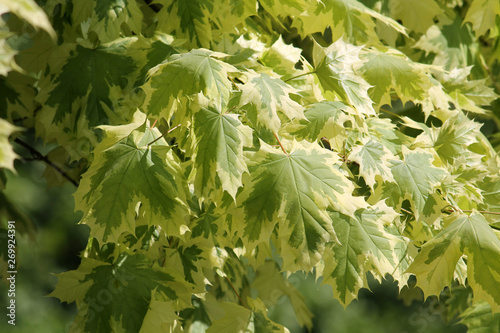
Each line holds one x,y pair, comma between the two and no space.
161,317
220,139
108,17
187,19
364,246
271,285
281,9
187,74
417,15
85,82
281,57
270,95
482,15
295,190
335,71
346,18
416,177
127,171
391,70
231,14
372,158
464,235
323,119
479,319
7,154
234,318
114,297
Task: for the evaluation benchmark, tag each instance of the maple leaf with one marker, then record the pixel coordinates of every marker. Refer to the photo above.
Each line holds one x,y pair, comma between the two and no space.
187,19
472,236
193,72
219,150
351,19
295,190
334,69
231,13
482,15
126,171
479,319
417,15
281,57
364,245
323,119
269,96
415,176
65,97
104,292
108,17
390,70
373,159
271,285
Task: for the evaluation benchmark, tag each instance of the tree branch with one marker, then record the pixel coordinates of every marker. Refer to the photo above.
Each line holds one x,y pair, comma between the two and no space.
38,156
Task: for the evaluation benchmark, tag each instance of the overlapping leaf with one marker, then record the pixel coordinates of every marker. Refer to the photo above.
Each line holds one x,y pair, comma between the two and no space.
107,17
335,71
115,297
482,15
84,86
373,159
364,245
188,20
415,178
219,150
187,74
346,18
323,119
294,190
417,15
472,236
387,71
126,171
270,95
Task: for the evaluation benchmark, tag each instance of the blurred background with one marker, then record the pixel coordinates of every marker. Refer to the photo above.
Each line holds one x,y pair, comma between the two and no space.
49,241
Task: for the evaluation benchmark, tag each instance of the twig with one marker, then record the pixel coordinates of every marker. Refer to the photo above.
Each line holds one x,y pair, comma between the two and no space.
236,293
38,156
231,109
297,76
161,136
391,113
282,148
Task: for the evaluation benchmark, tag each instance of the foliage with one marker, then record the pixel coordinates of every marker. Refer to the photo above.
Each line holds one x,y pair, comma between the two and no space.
219,146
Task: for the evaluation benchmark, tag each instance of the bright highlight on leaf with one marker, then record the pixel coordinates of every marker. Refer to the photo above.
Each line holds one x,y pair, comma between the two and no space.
125,173
464,235
187,74
295,190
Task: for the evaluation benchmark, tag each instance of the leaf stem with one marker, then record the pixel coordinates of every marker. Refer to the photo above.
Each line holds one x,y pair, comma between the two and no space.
297,76
38,156
231,109
282,148
161,136
235,292
454,209
391,113
154,124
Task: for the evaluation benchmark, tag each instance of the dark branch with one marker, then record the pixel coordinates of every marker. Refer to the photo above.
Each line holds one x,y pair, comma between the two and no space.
38,156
